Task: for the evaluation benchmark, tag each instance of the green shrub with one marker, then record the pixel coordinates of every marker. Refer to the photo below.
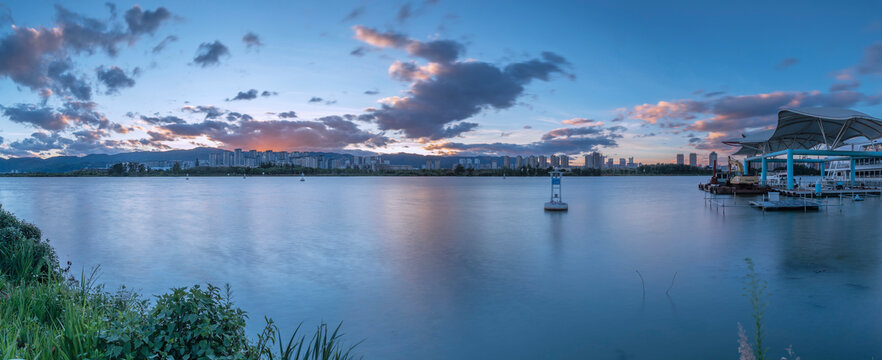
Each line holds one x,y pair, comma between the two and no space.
186,323
24,256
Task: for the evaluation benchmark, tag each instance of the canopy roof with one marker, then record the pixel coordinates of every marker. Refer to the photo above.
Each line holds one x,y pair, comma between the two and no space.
808,127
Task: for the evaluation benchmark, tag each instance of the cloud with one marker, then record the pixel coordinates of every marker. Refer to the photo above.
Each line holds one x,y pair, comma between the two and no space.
872,60
577,121
728,116
65,82
527,127
354,14
40,117
714,93
209,54
287,114
436,51
444,93
114,78
211,112
251,40
145,22
408,11
73,114
267,93
788,62
558,141
326,133
160,120
315,99
245,95
162,44
371,92
28,55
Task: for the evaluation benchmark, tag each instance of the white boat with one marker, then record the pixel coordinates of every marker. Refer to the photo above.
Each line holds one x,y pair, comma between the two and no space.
867,171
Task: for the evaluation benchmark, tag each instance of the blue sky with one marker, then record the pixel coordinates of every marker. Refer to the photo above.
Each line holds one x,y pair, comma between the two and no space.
642,79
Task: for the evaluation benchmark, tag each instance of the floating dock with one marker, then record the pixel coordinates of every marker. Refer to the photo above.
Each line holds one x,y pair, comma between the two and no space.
829,192
790,204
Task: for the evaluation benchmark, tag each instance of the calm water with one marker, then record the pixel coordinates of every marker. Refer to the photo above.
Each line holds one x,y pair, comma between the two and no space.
473,268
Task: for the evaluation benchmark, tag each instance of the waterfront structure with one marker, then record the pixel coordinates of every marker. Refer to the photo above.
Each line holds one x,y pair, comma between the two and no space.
693,159
556,203
680,159
811,132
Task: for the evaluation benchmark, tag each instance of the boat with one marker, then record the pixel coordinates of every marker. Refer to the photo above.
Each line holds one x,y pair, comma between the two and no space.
858,198
302,177
867,171
556,203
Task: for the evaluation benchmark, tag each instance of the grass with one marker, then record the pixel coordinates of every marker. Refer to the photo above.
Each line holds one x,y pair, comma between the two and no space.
45,313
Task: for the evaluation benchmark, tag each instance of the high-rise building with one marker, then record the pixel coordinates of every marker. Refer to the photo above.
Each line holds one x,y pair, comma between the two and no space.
543,162
237,158
622,162
519,161
506,162
533,161
609,163
631,161
712,158
693,159
680,159
555,161
564,161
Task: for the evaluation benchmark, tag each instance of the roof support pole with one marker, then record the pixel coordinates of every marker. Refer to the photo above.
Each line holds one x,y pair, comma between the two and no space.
842,131
789,169
822,172
824,134
851,176
763,171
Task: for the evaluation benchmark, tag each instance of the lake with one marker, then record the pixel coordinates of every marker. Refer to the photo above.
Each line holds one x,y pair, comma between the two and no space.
473,268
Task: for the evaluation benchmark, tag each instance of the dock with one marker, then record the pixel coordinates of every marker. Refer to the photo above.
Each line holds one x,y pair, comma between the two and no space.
789,204
829,192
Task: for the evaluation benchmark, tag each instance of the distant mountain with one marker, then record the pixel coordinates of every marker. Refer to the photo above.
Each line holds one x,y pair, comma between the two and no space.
60,164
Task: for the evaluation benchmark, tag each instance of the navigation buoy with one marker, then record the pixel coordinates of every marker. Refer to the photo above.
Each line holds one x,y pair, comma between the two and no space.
556,203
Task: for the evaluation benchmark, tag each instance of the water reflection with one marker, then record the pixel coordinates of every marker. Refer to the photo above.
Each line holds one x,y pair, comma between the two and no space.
440,268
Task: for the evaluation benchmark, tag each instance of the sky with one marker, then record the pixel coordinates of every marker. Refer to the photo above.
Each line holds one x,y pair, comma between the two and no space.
643,79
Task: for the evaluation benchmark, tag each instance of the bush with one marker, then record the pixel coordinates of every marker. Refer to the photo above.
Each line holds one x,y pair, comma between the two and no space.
24,257
186,323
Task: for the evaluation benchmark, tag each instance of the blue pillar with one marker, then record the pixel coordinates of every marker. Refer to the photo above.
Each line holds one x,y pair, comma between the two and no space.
789,169
822,172
746,167
763,180
852,171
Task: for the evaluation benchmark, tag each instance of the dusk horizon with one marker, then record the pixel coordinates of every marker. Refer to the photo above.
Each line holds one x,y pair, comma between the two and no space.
633,81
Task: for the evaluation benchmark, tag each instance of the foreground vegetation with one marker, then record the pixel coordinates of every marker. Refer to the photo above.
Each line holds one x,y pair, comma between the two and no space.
45,313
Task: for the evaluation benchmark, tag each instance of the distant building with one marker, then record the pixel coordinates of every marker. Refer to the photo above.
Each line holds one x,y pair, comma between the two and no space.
680,159
519,161
622,162
631,161
564,161
506,162
609,163
555,161
543,161
693,159
712,158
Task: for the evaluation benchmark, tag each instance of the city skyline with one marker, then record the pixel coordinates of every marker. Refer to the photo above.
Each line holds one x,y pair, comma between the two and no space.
92,77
